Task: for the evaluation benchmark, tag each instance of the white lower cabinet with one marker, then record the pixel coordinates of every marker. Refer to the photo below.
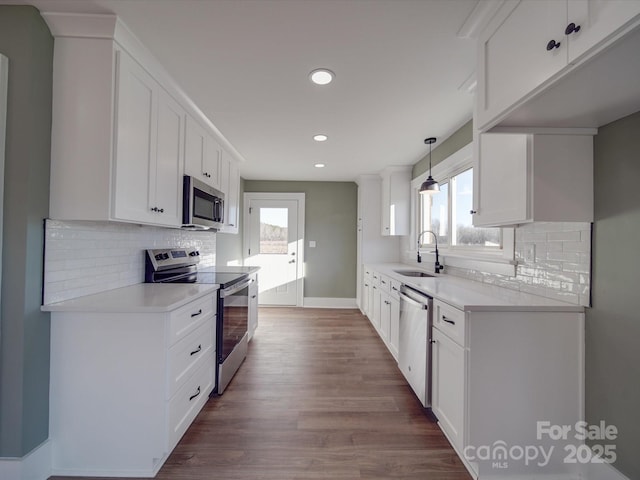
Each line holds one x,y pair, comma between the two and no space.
381,304
253,306
126,386
376,314
496,374
447,380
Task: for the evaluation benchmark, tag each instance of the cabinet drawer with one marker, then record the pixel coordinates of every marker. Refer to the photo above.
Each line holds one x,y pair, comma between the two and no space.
450,321
385,283
395,288
187,318
189,400
187,355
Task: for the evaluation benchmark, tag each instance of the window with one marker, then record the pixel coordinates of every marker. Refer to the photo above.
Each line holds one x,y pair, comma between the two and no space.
447,214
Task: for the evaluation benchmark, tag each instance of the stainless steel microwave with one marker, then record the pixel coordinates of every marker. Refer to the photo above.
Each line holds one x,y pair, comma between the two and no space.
202,205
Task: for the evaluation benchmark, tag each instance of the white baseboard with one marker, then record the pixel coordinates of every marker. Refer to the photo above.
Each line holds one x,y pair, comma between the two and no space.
36,465
326,302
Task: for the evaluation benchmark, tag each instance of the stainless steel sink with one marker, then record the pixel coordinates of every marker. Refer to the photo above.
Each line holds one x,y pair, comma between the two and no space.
413,273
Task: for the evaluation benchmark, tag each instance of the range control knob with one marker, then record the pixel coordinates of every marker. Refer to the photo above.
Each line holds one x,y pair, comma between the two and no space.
159,256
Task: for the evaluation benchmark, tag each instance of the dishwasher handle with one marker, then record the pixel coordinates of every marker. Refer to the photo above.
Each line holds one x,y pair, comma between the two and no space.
411,301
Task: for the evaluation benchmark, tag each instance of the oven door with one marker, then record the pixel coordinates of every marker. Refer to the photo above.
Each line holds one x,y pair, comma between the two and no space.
233,323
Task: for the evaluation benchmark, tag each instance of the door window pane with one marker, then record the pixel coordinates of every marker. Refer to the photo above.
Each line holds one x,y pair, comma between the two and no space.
274,230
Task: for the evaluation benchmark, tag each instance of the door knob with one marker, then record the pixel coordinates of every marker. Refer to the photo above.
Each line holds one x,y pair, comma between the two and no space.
292,261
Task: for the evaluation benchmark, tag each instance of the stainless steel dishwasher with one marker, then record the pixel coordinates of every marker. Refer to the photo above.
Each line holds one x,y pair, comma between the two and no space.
414,348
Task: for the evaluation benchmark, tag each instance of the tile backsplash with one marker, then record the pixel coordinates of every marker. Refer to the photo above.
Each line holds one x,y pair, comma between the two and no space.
82,258
554,261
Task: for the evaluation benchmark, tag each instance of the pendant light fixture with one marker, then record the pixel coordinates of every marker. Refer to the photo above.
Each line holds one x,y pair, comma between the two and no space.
429,186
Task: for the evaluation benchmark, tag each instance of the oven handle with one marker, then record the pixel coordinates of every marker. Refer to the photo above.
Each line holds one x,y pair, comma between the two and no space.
235,288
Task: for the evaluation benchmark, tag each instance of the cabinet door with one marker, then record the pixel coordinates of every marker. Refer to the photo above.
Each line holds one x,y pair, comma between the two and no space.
597,19
136,134
169,161
501,183
366,289
253,308
232,201
447,383
195,145
375,318
385,317
212,162
513,55
230,185
394,326
396,194
202,154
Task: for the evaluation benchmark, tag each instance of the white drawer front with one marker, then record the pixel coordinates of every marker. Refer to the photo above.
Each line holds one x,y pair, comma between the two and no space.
187,318
450,321
188,354
385,283
395,288
189,400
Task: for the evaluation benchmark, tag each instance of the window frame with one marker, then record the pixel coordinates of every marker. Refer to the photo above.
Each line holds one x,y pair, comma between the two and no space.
487,259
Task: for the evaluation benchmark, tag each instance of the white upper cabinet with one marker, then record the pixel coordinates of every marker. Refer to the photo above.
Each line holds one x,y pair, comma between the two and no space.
597,20
230,186
521,178
396,200
148,151
232,196
531,43
123,132
202,154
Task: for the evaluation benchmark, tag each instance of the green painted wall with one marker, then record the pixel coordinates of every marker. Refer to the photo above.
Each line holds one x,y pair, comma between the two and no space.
613,324
24,341
462,137
331,220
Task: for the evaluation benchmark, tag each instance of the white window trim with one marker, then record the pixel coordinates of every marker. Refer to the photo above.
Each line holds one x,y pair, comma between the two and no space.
498,262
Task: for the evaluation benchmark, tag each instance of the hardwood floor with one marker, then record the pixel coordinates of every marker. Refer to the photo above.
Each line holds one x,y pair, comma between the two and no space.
318,397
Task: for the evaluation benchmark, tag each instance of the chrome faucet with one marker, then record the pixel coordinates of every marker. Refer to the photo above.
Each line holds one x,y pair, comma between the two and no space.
437,267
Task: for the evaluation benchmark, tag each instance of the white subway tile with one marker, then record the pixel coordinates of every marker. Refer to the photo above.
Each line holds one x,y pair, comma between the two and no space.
563,236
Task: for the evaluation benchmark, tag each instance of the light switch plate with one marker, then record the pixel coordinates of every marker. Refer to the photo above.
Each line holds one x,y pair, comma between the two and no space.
312,244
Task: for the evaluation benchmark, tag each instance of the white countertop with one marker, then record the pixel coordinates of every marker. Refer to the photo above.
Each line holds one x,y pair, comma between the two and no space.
470,295
140,298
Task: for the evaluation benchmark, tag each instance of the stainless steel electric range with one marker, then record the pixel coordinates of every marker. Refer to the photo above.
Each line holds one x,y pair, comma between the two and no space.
180,265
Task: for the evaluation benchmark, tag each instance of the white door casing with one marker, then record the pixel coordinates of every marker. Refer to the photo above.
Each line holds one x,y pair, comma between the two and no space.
274,241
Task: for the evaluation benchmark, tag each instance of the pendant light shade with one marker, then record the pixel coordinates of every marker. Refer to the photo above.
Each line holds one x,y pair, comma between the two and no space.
429,186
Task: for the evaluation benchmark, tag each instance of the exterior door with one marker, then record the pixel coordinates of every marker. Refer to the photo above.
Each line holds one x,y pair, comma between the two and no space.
274,242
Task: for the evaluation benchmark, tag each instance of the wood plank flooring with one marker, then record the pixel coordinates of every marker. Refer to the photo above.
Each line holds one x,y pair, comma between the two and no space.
318,397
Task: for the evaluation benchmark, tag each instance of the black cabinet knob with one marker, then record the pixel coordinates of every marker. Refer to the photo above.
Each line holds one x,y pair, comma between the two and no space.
552,44
571,28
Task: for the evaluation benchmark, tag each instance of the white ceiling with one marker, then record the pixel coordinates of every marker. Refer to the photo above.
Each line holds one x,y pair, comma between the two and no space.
400,75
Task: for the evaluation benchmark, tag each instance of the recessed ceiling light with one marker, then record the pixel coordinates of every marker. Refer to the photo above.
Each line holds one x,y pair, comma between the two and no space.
321,76
321,137
319,165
